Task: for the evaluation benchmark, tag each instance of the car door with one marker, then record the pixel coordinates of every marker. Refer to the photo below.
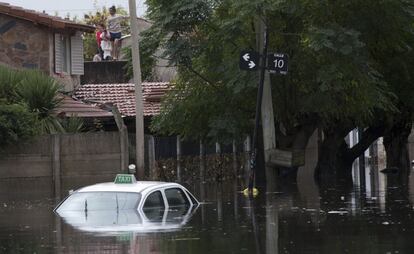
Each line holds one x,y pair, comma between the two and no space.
178,203
154,206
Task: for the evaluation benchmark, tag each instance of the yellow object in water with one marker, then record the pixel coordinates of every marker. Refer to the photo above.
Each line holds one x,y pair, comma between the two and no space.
255,192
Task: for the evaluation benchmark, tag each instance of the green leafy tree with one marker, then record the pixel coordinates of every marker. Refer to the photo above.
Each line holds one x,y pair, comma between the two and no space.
340,76
147,61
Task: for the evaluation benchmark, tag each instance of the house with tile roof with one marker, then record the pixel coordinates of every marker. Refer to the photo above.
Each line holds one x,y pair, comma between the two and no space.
35,40
123,96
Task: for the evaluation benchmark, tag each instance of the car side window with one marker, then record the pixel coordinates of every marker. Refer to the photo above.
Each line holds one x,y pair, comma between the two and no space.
154,200
176,197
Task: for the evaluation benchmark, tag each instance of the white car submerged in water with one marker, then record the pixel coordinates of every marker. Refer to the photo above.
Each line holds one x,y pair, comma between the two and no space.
128,205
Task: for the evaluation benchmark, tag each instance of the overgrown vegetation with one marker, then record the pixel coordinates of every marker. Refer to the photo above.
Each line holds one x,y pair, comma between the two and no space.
16,123
28,100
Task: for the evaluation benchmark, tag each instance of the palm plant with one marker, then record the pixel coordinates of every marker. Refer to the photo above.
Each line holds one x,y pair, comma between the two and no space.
40,93
72,124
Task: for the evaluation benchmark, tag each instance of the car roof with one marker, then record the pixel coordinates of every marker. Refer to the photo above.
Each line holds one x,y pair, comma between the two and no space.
137,187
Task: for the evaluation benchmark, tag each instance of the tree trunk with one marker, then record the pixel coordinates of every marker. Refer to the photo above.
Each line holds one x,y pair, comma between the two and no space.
336,158
396,148
333,164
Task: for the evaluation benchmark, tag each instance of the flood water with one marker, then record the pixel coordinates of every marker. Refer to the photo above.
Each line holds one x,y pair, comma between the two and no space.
292,218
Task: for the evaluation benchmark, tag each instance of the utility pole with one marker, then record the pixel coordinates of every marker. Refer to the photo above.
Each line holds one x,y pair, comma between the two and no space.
139,111
252,175
275,63
268,122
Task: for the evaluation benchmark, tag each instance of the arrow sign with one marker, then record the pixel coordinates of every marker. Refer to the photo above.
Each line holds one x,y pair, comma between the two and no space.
251,65
277,63
249,60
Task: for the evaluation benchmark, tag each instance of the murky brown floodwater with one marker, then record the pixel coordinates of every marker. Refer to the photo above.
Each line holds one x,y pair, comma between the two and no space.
289,219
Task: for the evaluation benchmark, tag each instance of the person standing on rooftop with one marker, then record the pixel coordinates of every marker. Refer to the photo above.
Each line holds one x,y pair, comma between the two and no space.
115,30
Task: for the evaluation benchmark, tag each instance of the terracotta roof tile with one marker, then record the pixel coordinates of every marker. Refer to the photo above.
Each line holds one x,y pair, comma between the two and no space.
42,18
123,96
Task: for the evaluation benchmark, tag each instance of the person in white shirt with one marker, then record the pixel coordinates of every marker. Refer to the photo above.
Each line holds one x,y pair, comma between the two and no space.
106,45
115,30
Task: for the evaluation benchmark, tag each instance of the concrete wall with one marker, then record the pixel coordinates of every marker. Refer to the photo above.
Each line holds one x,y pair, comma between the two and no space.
80,154
90,154
32,159
104,72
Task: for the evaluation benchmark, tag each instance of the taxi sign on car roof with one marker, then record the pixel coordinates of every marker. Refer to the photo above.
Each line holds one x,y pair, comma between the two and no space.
125,178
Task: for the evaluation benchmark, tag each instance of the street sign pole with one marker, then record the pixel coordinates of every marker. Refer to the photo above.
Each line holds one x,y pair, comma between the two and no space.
253,158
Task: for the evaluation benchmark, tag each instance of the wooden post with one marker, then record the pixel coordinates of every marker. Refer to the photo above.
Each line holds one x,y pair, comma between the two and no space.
235,159
136,66
247,151
124,149
56,165
178,158
203,207
219,202
236,200
218,148
373,153
123,139
202,161
151,157
361,161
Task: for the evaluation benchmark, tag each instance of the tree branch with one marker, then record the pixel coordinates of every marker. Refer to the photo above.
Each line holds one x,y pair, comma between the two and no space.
200,76
368,137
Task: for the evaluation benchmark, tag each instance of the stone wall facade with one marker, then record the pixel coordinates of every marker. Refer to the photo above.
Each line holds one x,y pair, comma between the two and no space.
23,44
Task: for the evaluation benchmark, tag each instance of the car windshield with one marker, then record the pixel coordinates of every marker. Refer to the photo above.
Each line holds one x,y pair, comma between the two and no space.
100,201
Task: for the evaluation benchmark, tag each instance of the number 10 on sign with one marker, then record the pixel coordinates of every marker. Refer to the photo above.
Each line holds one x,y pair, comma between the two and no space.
277,63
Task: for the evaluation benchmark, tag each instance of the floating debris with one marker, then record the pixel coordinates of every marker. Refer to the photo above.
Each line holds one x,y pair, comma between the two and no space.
338,212
187,239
